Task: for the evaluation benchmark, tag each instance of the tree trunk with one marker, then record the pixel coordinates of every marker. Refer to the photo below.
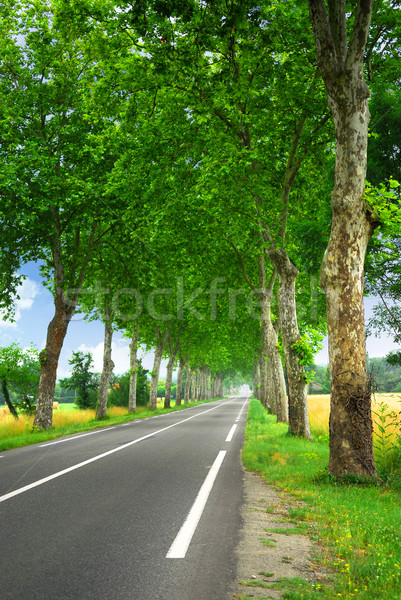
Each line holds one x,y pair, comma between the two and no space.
341,66
180,377
275,397
6,395
263,369
297,387
174,344
194,384
49,358
162,340
108,366
187,384
202,384
272,390
256,379
169,379
133,369
351,446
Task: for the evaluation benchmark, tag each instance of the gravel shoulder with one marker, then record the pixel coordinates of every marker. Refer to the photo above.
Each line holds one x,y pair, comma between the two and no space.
265,558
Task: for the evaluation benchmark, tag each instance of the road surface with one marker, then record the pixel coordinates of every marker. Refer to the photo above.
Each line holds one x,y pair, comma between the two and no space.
141,511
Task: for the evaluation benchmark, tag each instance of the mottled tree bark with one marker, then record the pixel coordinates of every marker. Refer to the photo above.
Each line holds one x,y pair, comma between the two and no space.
169,380
180,377
108,366
49,358
296,376
64,309
160,347
133,369
174,345
341,66
273,393
187,384
256,380
194,385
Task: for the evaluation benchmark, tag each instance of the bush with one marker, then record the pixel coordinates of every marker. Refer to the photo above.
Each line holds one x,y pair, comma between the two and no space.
82,380
119,391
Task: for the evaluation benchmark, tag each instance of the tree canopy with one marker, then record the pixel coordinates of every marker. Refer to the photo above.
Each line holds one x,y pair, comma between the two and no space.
185,170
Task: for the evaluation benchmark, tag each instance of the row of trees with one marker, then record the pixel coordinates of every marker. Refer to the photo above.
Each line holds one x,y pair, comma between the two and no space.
385,373
19,376
170,164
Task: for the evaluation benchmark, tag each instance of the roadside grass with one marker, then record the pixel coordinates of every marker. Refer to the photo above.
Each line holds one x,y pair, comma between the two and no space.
69,419
356,522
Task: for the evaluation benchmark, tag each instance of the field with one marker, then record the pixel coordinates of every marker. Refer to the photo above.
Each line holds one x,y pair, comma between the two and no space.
67,419
319,410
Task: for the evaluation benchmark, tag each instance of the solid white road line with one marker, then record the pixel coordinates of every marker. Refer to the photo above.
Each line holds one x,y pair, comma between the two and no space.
232,431
95,458
181,543
71,439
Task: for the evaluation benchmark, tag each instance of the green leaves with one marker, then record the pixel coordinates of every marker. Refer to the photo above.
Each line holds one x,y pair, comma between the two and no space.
384,202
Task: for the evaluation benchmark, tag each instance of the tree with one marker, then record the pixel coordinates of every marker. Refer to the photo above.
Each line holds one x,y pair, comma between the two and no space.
340,59
19,375
53,180
82,380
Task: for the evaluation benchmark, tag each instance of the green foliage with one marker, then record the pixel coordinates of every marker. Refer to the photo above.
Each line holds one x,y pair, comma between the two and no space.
119,391
394,359
386,375
19,376
319,379
384,420
306,347
82,380
64,395
388,444
383,201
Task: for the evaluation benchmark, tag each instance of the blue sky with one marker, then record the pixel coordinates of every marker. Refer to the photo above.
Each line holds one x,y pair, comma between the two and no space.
35,309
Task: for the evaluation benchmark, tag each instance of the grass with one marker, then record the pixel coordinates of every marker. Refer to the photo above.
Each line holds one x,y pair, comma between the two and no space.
357,526
67,420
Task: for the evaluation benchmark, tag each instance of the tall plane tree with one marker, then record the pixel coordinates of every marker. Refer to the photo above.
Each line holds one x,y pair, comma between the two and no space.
340,58
51,187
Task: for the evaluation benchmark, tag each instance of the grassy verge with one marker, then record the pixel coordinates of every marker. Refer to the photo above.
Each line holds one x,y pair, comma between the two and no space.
68,419
357,524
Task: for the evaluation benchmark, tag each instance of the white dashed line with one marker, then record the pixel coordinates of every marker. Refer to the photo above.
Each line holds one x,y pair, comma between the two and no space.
99,456
230,435
181,543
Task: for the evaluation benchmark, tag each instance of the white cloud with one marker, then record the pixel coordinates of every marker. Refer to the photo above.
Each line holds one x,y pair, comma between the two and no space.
119,355
26,292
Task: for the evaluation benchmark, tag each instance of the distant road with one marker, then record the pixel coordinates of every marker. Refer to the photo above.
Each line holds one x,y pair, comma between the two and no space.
142,511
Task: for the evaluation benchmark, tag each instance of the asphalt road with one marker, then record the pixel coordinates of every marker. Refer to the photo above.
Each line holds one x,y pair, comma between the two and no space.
142,511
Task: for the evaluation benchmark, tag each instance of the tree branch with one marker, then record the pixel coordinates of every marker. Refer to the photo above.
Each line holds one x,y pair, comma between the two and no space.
359,34
325,48
242,264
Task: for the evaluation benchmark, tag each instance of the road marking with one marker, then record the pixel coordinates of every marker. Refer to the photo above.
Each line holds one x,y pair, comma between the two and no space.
242,408
230,435
181,543
95,458
71,439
